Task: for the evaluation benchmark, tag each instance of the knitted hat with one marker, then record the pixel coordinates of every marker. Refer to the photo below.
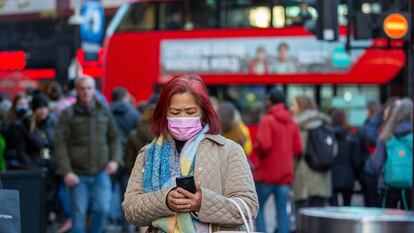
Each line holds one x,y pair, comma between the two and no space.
39,100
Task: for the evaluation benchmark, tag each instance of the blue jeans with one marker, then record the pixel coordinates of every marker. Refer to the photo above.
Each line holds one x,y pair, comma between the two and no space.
64,200
93,191
116,212
281,195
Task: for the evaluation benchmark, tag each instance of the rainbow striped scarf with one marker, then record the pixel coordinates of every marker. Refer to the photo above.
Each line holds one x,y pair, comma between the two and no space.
161,168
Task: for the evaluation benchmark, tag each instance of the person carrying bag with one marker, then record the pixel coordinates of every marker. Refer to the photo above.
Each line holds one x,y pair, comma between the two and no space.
9,210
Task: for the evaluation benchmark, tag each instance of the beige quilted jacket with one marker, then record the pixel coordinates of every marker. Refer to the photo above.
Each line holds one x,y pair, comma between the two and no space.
222,169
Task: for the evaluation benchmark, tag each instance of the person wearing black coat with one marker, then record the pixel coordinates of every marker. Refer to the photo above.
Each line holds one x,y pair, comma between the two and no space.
40,146
15,134
126,116
41,130
343,169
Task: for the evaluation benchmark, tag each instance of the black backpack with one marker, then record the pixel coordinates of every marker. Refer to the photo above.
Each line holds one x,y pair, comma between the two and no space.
320,148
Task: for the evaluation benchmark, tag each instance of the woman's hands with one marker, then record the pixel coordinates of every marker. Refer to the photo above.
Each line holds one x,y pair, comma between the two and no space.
180,200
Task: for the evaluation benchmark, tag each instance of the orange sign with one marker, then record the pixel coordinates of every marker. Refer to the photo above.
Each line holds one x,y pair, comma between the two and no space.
395,26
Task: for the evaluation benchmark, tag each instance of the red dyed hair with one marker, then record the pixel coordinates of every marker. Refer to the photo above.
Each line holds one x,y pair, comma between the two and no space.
181,84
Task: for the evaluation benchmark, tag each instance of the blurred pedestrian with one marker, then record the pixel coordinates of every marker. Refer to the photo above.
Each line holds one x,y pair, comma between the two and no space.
344,167
310,187
277,143
371,135
88,151
16,134
5,105
126,118
373,123
392,159
41,149
41,130
58,101
139,137
233,127
367,147
188,143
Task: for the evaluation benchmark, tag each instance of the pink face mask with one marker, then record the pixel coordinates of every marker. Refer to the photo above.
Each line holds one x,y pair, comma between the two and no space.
184,128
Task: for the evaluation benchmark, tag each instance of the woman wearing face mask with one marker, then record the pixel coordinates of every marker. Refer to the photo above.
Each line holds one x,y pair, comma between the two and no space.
188,143
16,134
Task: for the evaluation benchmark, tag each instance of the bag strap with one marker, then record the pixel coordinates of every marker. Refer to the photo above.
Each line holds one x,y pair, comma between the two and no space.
246,224
249,215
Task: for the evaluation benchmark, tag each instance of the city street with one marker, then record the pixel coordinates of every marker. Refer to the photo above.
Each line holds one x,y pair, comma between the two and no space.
206,116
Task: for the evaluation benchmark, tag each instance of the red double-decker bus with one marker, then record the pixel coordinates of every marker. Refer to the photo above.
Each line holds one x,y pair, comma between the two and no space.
240,49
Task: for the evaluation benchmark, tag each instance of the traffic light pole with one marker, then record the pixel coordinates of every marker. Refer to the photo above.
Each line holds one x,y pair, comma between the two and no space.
410,72
349,28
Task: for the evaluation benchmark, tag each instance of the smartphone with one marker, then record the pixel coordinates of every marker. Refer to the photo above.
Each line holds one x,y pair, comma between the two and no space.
187,183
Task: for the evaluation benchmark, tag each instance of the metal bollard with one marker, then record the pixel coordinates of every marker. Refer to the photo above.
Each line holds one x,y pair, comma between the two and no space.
355,220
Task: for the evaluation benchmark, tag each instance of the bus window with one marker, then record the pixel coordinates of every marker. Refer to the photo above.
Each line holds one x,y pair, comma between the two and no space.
278,16
249,100
203,14
246,13
299,14
171,15
139,17
296,90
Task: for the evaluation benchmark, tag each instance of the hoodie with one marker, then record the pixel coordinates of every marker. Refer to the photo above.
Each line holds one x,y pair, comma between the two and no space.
277,142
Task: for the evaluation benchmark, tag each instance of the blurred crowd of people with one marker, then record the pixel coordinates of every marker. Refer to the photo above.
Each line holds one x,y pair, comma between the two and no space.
84,146
87,148
321,159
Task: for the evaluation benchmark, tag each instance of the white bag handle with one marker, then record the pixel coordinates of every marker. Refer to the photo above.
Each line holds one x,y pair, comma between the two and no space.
247,224
249,215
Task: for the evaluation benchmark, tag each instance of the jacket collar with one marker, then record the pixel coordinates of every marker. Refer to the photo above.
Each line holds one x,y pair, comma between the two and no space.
217,138
93,105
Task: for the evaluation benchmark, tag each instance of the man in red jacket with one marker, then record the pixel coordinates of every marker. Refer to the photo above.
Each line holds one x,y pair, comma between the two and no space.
277,143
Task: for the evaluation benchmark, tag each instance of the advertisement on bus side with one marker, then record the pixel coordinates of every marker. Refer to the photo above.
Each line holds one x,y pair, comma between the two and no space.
267,55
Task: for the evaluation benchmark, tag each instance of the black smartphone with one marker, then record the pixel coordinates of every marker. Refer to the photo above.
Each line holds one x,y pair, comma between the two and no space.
187,183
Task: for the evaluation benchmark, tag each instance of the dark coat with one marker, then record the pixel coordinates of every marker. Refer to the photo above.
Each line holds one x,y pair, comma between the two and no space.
343,169
16,136
126,118
86,140
41,146
370,130
138,138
